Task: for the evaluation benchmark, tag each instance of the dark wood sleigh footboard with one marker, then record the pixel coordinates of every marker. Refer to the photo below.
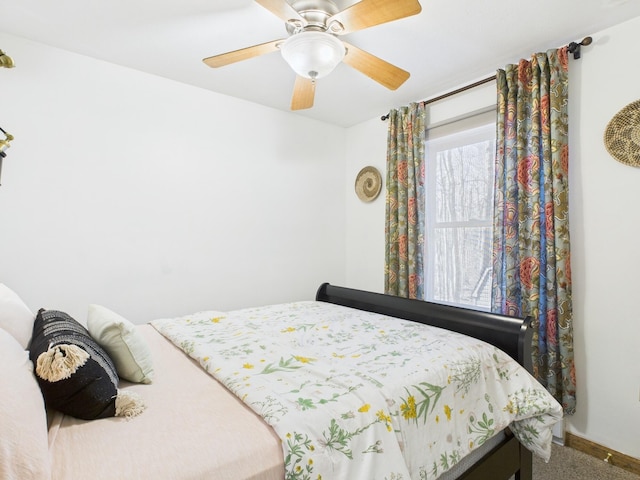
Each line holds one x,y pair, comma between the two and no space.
512,335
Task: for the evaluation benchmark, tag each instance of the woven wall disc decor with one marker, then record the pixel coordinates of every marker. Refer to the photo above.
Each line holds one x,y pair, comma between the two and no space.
368,184
622,135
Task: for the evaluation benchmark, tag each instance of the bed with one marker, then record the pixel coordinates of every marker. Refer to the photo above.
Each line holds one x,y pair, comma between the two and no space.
206,419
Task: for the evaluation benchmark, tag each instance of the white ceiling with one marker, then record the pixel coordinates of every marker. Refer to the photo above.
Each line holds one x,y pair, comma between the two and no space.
450,43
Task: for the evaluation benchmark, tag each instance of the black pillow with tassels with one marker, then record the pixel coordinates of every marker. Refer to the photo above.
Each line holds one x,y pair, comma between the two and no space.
75,374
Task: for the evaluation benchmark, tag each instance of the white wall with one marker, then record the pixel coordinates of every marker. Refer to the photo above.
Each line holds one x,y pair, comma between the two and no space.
605,196
366,145
156,198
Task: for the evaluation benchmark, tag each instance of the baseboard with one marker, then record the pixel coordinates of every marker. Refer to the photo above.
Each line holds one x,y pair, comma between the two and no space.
618,459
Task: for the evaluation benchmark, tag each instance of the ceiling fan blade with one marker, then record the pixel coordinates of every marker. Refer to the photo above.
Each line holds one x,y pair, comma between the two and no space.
242,54
368,13
375,68
281,9
303,92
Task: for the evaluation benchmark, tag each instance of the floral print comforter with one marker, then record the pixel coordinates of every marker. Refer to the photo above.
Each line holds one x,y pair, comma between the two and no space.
357,395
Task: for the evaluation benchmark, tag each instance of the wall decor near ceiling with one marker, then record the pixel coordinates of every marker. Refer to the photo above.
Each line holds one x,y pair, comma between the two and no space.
6,61
4,144
622,135
368,184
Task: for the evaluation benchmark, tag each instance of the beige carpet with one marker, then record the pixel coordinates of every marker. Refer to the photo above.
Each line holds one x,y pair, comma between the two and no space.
569,464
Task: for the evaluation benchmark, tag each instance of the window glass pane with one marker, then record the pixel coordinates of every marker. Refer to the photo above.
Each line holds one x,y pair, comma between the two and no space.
464,182
459,213
462,266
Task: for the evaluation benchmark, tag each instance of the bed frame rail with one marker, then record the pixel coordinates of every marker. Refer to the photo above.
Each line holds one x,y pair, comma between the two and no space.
510,334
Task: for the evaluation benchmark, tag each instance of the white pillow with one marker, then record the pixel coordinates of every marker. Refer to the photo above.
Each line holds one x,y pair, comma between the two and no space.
24,448
126,347
15,316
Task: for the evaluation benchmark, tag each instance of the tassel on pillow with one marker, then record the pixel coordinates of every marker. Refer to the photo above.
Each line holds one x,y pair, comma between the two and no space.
129,404
60,362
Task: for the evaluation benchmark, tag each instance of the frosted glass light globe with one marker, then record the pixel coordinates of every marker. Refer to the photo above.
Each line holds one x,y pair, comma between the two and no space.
313,54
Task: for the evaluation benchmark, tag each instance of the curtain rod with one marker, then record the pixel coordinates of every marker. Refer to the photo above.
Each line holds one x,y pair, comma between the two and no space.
573,47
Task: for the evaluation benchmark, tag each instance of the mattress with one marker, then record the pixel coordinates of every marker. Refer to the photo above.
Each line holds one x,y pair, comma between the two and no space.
192,428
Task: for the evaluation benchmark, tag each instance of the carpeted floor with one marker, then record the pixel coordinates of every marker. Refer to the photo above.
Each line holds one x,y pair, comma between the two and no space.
569,464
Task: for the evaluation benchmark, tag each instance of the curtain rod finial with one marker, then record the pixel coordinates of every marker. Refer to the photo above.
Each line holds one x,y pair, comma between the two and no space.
575,47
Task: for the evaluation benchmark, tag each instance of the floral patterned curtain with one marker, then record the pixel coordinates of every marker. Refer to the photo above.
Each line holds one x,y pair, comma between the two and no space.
532,271
404,227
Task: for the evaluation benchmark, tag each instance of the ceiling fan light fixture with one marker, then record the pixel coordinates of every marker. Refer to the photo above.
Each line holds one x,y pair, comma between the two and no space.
313,54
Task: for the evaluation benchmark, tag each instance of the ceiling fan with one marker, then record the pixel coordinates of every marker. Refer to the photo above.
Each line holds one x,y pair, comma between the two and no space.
313,49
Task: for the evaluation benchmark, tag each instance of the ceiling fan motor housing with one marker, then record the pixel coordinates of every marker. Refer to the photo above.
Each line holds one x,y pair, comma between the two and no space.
315,14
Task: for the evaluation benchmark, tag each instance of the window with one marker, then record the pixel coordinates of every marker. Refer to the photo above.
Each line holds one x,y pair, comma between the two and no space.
459,212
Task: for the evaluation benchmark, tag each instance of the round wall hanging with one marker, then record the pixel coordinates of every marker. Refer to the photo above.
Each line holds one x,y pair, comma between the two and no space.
368,184
622,135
